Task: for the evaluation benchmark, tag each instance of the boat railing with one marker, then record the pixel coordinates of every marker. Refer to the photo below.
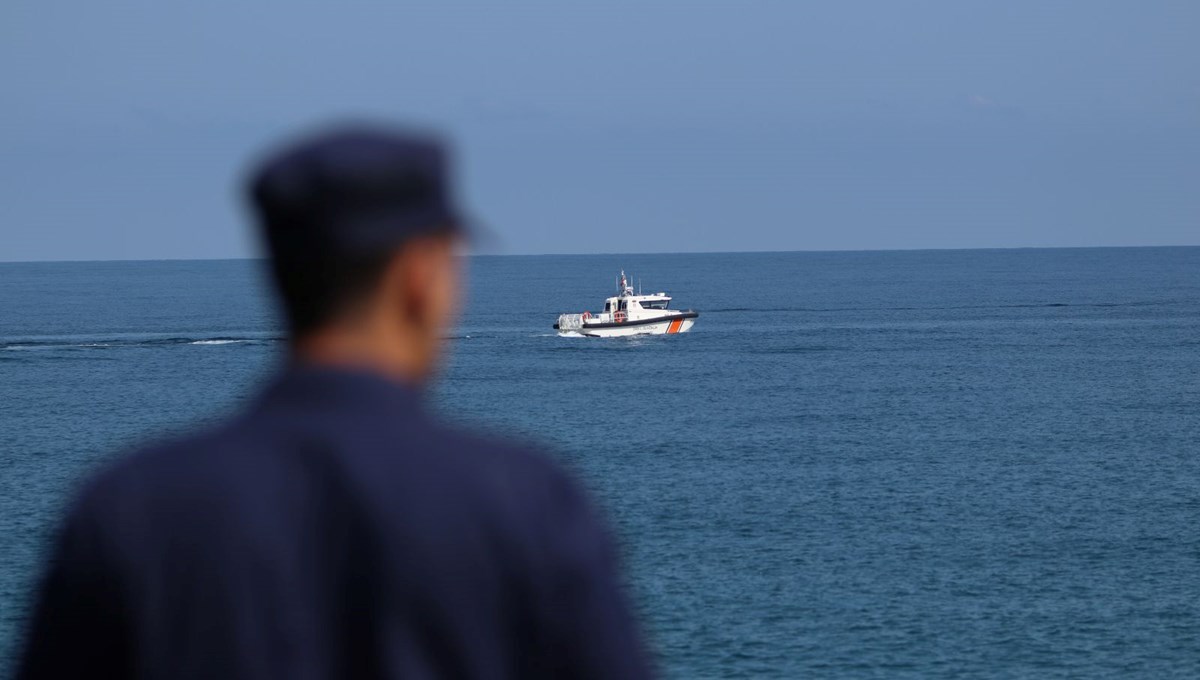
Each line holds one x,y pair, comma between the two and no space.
574,322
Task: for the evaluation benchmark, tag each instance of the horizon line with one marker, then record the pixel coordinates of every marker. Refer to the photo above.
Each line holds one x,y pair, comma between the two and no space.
641,254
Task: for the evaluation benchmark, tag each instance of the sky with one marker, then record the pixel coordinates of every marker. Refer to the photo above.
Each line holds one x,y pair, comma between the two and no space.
617,127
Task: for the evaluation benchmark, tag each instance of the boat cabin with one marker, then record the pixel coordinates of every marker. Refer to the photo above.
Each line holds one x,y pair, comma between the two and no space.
632,304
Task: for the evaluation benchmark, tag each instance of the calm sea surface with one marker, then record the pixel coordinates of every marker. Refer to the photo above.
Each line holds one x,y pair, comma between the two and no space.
923,464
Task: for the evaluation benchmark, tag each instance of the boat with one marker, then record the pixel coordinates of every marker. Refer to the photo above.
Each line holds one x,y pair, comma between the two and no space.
627,313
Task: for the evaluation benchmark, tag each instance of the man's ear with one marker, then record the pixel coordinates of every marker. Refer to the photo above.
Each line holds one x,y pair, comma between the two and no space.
410,276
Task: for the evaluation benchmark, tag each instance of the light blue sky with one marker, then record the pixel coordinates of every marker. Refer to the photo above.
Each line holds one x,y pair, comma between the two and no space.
619,126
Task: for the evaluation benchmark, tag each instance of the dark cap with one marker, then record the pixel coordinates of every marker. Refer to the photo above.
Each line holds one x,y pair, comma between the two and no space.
354,190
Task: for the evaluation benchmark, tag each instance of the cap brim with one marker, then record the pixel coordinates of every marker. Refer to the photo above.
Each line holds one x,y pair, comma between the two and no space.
475,234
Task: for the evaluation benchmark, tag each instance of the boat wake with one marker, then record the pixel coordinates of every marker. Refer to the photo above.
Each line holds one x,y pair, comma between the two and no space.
50,343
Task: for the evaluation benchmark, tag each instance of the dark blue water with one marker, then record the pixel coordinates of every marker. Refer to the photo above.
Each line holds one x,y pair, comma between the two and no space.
925,464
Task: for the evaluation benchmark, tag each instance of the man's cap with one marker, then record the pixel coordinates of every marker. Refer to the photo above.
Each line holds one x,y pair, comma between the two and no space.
354,190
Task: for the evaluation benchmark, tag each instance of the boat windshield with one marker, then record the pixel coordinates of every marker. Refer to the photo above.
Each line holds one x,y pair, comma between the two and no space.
654,304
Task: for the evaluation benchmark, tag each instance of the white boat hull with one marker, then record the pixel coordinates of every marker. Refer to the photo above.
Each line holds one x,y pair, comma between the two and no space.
658,328
669,325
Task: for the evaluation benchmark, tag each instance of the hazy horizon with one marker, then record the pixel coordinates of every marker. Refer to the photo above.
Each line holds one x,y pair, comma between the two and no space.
647,254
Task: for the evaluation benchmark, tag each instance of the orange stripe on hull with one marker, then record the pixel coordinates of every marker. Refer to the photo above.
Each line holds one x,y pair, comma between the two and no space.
674,327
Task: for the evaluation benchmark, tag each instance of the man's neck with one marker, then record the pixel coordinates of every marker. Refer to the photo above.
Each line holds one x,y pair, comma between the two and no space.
385,354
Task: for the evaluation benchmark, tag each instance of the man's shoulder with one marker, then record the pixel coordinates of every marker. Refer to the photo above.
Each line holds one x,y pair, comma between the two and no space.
234,458
159,467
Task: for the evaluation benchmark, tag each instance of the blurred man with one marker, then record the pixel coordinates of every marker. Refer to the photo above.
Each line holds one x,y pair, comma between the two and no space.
336,529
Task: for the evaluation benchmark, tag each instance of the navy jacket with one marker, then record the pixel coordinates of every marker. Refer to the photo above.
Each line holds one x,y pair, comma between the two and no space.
335,530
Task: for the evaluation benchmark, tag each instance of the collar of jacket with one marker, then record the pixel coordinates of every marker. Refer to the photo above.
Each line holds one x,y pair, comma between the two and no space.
324,386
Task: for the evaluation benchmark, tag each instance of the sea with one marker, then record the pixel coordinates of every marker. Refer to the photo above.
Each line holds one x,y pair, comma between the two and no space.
926,464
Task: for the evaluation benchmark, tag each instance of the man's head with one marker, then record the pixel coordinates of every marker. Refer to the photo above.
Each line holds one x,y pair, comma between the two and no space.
362,232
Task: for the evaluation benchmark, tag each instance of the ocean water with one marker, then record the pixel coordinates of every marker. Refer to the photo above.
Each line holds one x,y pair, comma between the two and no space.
904,464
